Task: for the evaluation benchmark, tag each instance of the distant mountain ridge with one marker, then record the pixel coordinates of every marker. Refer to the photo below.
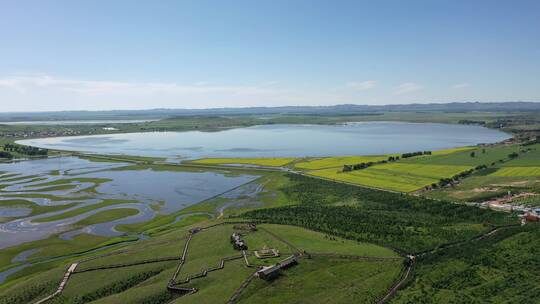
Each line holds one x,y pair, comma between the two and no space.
343,109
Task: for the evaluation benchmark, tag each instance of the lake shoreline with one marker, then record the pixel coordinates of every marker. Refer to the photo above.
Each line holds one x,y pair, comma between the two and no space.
280,140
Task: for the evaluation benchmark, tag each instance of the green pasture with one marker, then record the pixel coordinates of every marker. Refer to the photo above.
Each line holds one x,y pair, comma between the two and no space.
316,242
482,156
321,280
521,174
518,171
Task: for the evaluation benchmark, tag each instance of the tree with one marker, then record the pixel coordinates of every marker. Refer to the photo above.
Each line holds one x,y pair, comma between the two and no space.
4,154
473,154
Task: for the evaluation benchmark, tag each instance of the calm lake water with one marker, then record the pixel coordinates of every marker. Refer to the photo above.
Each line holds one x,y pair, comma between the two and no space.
282,140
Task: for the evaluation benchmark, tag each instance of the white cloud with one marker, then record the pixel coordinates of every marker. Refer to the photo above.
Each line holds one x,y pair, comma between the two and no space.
407,87
24,84
361,86
46,93
459,86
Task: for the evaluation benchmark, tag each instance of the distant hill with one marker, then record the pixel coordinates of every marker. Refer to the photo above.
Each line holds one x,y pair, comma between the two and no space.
345,109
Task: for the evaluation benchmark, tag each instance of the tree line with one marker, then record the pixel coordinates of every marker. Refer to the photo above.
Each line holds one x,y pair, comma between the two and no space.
413,154
26,150
364,165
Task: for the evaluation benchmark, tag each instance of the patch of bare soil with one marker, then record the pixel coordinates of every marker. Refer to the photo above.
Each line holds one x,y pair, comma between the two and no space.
508,198
485,189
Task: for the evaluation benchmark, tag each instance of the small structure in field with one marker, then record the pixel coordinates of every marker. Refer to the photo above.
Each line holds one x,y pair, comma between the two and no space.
266,253
238,243
270,272
195,230
245,227
531,217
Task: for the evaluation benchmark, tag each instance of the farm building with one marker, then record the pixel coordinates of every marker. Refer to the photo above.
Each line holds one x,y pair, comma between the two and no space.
270,272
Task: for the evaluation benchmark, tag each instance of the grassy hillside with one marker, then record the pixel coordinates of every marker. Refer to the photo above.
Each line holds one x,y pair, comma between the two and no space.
411,224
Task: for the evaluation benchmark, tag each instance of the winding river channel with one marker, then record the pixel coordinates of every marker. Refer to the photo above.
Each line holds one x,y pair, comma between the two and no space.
148,191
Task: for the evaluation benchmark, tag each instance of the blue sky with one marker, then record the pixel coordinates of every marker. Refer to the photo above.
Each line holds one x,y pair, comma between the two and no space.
66,55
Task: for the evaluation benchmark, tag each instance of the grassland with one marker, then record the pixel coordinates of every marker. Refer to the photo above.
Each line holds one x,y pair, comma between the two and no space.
482,156
312,241
529,158
517,171
364,283
521,174
147,283
267,162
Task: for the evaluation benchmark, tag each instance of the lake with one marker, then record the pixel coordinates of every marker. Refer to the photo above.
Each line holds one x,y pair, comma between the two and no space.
366,138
